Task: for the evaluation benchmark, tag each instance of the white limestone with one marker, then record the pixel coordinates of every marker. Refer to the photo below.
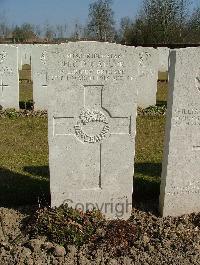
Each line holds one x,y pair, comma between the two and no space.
92,124
163,58
24,54
148,76
39,77
180,183
9,78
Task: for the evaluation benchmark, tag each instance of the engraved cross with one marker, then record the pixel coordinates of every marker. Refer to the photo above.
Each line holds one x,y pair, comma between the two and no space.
2,85
45,80
93,114
93,100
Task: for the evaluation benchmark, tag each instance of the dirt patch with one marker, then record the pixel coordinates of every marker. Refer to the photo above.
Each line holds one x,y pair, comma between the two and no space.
157,241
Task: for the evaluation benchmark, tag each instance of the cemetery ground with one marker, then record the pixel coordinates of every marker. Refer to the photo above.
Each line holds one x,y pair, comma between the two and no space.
32,233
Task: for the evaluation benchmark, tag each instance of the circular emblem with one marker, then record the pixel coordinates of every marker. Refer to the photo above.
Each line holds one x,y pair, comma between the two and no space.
91,116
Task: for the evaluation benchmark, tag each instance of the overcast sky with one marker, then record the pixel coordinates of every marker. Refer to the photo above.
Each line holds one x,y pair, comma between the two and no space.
61,11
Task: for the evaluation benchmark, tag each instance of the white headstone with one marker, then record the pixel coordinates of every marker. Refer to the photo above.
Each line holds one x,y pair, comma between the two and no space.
25,54
148,76
9,78
180,183
163,58
39,76
92,124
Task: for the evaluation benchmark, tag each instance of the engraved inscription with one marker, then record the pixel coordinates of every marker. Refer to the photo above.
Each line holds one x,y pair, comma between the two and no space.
92,67
43,57
188,116
143,62
4,69
91,116
189,188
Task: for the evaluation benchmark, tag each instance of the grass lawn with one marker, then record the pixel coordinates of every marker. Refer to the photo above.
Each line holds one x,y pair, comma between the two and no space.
162,93
24,174
25,91
25,87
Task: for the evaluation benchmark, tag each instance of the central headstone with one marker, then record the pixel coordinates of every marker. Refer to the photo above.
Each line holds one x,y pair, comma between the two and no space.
92,124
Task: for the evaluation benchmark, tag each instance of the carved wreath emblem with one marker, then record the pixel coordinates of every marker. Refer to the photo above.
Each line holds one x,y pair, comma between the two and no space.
90,116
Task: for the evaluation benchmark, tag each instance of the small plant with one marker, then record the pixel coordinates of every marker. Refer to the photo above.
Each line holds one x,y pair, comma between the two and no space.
117,238
153,110
64,225
11,113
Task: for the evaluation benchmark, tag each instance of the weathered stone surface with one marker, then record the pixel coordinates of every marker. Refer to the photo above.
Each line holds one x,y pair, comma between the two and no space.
180,185
9,78
163,58
39,76
148,76
25,54
92,120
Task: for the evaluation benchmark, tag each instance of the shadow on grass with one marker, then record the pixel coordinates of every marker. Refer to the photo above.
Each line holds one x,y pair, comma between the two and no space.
38,171
146,187
17,189
149,169
161,103
27,105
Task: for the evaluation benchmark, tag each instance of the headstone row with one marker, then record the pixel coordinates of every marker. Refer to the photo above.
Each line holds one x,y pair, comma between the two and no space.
92,119
34,55
93,91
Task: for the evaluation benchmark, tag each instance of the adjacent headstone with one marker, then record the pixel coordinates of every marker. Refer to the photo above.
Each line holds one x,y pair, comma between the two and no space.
39,77
180,183
148,76
92,124
163,58
9,78
24,54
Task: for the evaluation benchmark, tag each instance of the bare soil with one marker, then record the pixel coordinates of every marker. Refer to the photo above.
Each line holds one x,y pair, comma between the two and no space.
159,241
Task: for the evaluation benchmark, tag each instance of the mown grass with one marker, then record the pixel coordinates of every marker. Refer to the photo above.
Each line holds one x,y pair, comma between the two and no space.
148,160
163,76
24,174
25,87
162,92
25,91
